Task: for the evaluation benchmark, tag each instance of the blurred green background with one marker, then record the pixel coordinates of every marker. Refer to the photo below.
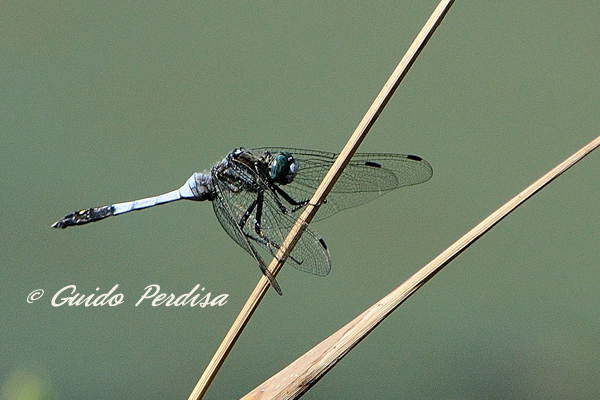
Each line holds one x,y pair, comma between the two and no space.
102,102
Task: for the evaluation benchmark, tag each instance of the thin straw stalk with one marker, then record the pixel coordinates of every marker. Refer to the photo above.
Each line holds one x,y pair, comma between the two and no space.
321,193
299,376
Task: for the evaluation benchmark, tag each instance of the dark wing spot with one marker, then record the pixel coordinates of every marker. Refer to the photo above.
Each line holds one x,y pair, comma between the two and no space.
372,164
416,158
323,243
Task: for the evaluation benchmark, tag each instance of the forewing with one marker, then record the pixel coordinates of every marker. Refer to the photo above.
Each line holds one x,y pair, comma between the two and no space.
366,177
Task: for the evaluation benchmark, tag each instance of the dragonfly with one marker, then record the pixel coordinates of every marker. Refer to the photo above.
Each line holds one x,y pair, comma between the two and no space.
258,194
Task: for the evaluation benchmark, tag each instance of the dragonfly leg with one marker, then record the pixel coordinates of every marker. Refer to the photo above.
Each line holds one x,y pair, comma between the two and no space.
247,214
259,208
258,204
298,204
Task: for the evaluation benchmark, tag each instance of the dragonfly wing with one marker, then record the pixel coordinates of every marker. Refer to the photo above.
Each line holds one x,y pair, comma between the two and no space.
227,218
310,253
366,177
231,206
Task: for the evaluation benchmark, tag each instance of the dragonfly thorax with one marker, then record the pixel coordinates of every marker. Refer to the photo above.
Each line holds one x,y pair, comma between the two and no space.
283,168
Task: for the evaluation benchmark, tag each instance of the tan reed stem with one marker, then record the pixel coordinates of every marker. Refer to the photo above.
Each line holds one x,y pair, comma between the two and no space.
324,188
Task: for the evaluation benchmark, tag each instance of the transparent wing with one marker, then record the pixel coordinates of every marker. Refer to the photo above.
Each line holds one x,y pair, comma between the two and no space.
267,225
366,177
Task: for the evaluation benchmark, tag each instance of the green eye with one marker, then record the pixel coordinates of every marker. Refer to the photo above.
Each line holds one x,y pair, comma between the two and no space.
283,168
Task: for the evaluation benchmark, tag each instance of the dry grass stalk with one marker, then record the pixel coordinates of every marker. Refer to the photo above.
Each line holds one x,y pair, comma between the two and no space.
299,376
321,193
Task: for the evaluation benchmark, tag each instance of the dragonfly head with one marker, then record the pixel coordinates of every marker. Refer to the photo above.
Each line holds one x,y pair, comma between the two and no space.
283,168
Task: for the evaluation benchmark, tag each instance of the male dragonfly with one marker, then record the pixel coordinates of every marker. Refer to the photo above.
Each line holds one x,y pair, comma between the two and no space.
257,195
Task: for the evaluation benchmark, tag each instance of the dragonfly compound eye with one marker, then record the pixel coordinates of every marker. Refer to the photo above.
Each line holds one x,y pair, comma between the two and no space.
283,168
